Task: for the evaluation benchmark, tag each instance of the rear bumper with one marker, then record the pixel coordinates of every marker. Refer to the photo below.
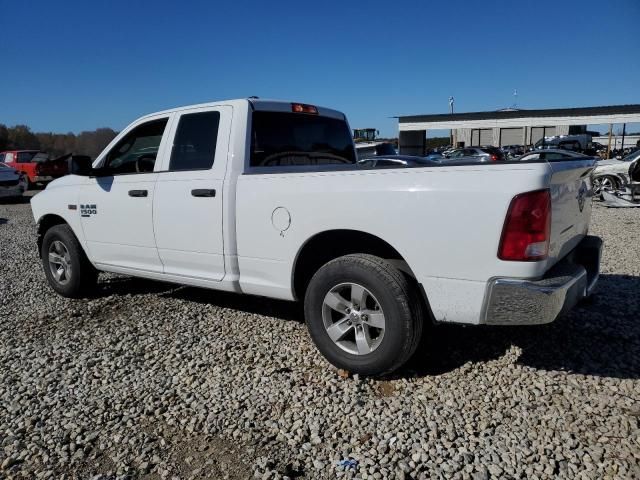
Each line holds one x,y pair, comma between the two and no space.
510,301
42,178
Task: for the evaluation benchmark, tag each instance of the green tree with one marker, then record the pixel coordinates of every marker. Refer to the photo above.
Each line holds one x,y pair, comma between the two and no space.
22,138
4,137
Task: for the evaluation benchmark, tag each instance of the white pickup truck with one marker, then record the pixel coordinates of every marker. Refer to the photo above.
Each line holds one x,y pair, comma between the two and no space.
266,198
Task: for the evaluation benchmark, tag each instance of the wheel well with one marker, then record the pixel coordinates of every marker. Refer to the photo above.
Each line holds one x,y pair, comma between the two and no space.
44,224
326,246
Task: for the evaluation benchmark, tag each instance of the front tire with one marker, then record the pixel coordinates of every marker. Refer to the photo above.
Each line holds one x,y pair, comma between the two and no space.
66,266
605,183
363,314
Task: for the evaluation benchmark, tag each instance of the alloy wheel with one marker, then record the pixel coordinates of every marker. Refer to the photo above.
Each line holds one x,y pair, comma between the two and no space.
353,318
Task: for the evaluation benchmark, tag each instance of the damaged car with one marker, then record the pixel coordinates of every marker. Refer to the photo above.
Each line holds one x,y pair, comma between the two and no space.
614,175
12,182
629,196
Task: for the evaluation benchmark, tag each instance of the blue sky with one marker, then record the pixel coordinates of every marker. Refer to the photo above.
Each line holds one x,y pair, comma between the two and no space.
72,66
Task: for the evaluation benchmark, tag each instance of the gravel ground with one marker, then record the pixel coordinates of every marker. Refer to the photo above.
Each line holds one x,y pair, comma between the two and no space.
149,380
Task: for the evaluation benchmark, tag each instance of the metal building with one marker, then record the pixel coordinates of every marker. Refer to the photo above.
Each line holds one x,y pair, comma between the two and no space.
509,126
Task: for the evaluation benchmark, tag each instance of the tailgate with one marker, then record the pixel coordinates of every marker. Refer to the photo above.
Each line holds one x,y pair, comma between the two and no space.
571,192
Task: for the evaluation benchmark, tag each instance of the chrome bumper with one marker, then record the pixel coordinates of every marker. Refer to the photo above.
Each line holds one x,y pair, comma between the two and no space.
511,301
42,178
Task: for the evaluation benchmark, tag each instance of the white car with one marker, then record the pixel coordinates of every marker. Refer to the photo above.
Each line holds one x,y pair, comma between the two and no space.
12,182
612,175
266,198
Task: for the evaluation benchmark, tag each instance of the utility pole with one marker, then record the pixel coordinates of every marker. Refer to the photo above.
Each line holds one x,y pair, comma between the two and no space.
624,130
609,147
451,100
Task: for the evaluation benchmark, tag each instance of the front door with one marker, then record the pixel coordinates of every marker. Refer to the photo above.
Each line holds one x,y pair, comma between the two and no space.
188,202
116,206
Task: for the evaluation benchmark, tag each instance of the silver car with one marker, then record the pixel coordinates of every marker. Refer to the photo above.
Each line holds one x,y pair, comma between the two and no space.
475,154
550,155
12,182
612,175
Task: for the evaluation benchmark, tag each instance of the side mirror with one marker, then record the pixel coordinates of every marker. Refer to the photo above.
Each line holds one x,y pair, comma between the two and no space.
79,165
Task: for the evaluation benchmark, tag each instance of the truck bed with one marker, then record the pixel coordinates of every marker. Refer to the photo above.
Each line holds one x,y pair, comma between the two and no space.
445,221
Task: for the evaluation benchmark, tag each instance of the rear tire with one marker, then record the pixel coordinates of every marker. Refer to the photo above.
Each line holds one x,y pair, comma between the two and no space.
66,266
363,314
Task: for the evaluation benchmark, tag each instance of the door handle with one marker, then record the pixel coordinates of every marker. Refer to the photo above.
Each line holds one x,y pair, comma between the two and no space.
138,193
203,192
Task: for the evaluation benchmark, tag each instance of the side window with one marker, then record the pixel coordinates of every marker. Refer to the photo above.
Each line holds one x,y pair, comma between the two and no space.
469,152
9,157
555,156
194,146
137,151
25,157
531,157
1,157
367,163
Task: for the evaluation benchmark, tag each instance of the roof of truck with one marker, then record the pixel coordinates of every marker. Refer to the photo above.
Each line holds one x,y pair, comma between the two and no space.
257,103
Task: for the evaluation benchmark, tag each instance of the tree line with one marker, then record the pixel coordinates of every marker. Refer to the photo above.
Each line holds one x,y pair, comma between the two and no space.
20,137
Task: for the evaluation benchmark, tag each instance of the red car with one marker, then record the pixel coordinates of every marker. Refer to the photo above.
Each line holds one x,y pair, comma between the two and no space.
36,165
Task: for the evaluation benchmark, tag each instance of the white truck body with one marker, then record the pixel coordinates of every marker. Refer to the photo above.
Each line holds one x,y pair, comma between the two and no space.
445,222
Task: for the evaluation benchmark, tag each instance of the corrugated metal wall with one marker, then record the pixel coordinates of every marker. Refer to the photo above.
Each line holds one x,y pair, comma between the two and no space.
511,136
481,136
538,132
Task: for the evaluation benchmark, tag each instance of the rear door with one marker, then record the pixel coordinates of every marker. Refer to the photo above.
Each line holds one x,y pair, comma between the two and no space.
188,205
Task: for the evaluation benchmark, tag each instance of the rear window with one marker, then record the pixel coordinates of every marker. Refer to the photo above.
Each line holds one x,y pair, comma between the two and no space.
26,157
294,139
195,144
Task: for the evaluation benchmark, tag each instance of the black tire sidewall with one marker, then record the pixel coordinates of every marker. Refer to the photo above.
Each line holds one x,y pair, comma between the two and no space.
78,282
394,298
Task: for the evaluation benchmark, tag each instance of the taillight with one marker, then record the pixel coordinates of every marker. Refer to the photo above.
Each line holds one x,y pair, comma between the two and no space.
303,108
494,157
37,169
527,228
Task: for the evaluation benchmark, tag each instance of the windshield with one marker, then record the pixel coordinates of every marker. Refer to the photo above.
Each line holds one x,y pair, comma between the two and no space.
294,139
632,156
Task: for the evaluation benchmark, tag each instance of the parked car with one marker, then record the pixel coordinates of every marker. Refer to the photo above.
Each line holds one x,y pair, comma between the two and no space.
476,154
434,156
512,151
374,254
374,149
576,143
36,165
552,155
395,161
12,182
612,175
